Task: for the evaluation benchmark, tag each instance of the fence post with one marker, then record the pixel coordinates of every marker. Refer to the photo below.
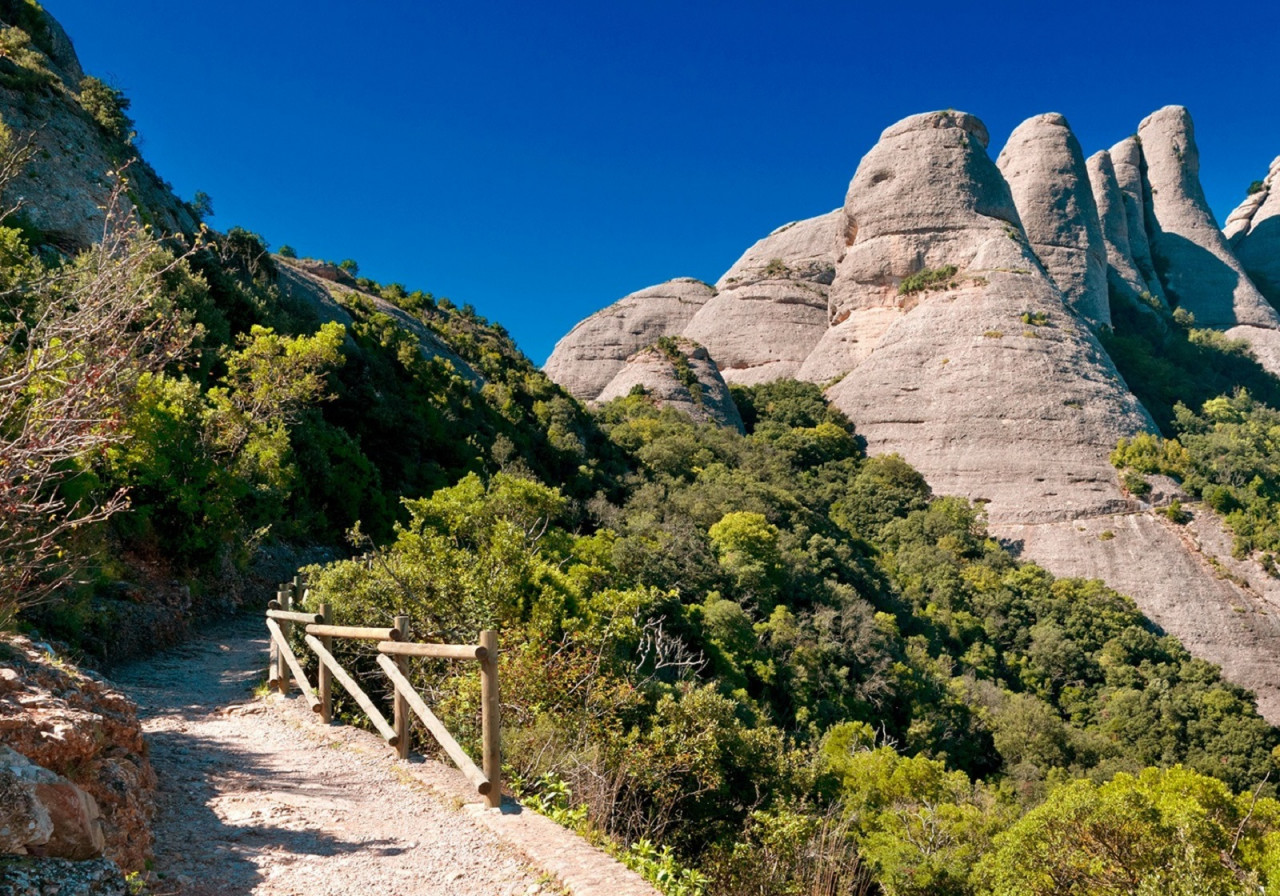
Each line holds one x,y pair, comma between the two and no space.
489,721
402,705
282,668
325,683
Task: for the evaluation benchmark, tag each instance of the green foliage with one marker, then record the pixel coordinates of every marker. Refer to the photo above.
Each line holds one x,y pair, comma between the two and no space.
1256,186
1035,318
23,66
928,279
350,266
287,251
108,107
1168,831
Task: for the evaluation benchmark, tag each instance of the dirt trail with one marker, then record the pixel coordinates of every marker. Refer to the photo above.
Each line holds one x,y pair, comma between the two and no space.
257,797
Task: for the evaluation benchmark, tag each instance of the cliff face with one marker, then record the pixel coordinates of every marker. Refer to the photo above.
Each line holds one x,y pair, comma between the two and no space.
963,297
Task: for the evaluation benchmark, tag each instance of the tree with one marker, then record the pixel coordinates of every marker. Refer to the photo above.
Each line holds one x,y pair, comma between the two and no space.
74,339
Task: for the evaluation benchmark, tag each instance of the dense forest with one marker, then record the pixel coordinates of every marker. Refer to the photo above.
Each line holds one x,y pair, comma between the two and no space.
760,663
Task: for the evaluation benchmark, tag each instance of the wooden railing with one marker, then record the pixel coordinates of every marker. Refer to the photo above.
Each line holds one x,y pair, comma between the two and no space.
393,656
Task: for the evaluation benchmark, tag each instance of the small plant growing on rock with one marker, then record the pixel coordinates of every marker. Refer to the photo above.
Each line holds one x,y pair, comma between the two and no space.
1175,512
1035,318
1136,484
776,268
928,279
1256,187
993,334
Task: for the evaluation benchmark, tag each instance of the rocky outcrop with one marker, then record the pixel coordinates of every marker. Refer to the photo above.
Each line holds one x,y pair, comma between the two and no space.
1123,277
679,374
1045,169
923,198
1126,161
1197,268
985,382
1253,230
593,352
770,309
75,725
44,814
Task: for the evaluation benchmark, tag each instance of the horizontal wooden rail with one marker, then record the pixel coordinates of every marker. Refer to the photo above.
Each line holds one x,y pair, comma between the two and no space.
354,631
436,727
436,651
282,644
378,719
294,616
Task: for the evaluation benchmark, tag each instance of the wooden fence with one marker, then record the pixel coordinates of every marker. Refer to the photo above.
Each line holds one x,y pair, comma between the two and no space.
393,655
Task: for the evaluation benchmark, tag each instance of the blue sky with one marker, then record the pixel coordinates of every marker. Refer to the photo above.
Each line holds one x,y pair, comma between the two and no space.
541,160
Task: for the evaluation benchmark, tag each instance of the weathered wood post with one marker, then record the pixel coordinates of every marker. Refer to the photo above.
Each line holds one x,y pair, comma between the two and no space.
489,720
401,704
325,683
282,668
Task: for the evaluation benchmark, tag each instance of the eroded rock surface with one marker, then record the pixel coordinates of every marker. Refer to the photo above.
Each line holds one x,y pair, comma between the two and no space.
77,726
1045,169
1254,233
678,373
1123,276
771,306
1126,161
592,353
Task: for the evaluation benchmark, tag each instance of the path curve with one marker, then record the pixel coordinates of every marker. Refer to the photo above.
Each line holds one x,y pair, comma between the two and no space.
258,797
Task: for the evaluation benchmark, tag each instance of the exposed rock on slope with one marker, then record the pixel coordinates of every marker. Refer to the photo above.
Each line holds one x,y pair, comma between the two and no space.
1045,170
771,308
77,726
988,385
69,176
679,374
1197,267
1254,232
592,353
1123,276
1126,161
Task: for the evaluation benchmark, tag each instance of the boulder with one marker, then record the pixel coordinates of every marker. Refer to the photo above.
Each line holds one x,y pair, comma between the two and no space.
771,306
984,380
1123,277
592,353
1045,169
42,813
1126,161
1254,233
677,373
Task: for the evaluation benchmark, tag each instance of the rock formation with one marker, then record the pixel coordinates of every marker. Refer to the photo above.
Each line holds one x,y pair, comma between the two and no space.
986,382
593,352
679,374
947,340
771,306
1254,234
1045,169
1126,161
81,732
1123,277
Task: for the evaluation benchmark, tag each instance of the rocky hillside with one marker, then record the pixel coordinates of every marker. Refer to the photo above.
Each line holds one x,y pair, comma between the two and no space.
954,308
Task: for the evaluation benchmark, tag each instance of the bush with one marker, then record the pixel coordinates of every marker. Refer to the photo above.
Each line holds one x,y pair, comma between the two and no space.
928,279
107,106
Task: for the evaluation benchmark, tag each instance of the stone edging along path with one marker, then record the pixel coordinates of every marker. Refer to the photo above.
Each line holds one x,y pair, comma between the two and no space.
257,796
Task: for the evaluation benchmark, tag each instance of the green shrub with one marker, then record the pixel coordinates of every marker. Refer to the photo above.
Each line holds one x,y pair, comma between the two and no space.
107,106
928,279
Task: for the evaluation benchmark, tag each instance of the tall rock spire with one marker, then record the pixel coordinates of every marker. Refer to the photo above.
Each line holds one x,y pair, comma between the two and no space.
1045,169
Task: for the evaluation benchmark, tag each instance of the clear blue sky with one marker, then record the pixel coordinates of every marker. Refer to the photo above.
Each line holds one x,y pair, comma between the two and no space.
541,160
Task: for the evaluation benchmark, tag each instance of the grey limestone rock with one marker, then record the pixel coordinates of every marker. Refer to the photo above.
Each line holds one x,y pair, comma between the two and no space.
771,306
1045,169
680,374
925,197
592,353
27,876
1126,161
1254,232
1123,276
1197,268
988,383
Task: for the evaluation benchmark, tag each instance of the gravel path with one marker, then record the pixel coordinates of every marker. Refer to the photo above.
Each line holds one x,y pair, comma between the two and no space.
257,797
